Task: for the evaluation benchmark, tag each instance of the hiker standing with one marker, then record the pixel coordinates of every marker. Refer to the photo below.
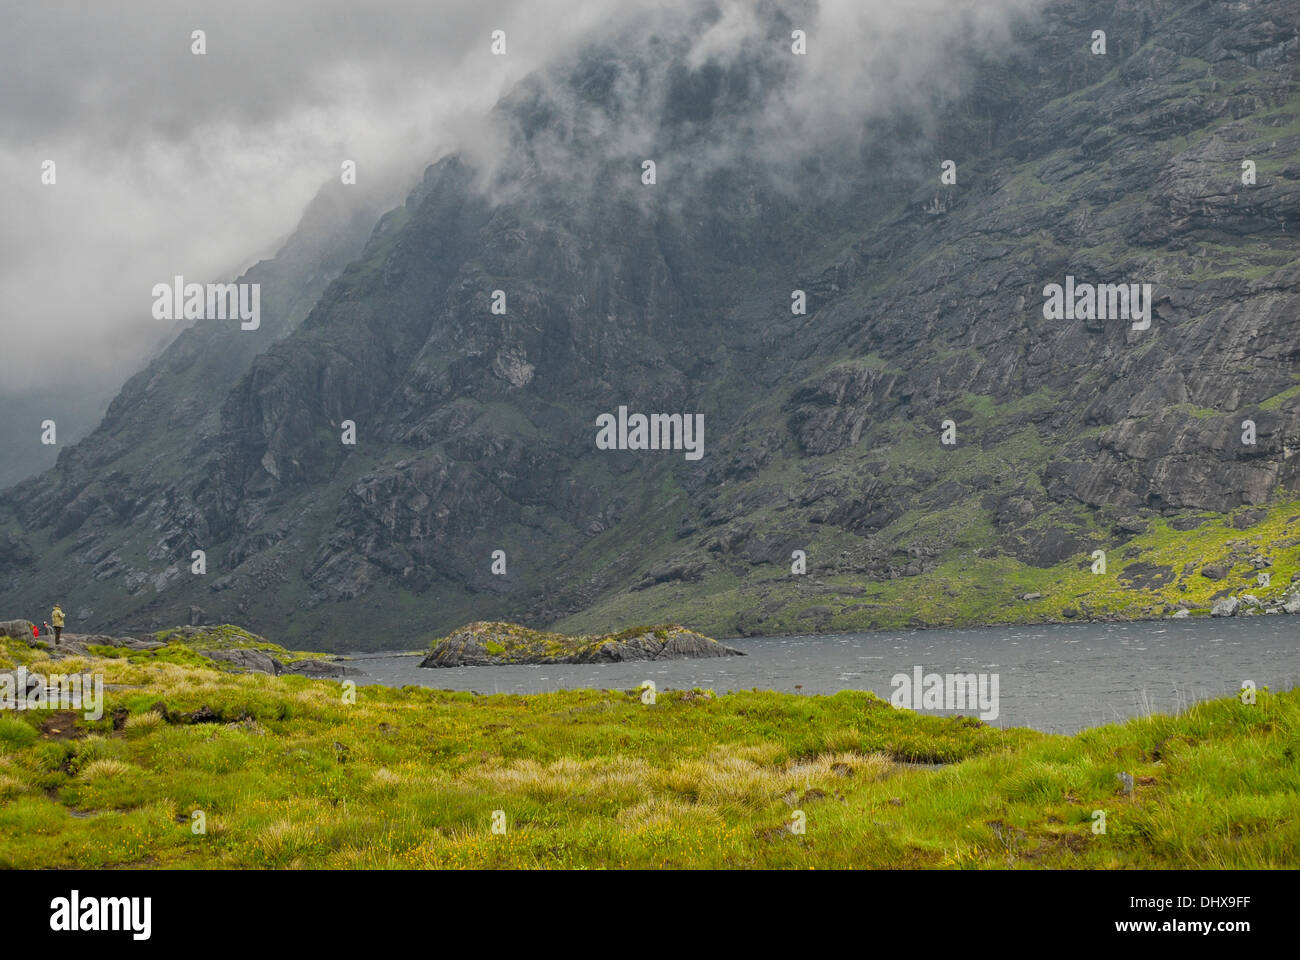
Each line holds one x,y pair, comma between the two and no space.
56,617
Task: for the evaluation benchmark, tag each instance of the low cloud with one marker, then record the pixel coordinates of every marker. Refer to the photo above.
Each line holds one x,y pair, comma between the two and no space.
170,163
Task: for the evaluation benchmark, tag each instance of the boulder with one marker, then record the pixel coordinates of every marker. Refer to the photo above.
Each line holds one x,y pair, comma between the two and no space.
139,643
246,658
1227,607
68,647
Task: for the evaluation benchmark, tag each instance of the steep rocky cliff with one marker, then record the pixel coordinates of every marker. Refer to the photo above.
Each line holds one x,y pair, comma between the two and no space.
476,430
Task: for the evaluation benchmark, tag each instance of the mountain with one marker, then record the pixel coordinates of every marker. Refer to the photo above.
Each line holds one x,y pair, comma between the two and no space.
330,233
164,415
476,431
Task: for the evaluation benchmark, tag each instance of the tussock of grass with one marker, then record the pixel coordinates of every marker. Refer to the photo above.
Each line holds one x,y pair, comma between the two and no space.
104,769
143,721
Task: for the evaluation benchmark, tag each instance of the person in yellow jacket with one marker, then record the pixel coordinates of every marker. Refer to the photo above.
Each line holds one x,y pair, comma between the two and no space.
56,618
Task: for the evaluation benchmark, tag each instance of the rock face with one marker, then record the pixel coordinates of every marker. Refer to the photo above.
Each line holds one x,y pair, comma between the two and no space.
476,430
485,644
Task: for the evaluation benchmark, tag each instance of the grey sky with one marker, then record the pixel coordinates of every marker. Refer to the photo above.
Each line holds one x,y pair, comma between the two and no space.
173,163
170,163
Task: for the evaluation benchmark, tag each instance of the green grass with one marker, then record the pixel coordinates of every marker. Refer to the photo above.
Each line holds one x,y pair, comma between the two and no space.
297,776
1277,400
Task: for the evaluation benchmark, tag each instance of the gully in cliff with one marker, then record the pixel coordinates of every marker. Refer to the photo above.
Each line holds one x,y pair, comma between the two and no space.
658,431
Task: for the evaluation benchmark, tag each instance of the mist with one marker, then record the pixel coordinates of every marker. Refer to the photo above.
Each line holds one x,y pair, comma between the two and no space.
172,163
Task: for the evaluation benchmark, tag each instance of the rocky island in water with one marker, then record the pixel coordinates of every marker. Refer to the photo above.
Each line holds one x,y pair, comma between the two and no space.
488,643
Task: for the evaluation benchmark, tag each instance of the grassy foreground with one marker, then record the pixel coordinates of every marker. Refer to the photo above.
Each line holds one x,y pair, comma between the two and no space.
293,775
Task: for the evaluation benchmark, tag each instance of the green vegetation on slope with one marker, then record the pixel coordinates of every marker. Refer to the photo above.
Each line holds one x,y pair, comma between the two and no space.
1148,575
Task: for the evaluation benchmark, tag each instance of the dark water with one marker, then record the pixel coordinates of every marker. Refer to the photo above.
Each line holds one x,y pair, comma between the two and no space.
1056,678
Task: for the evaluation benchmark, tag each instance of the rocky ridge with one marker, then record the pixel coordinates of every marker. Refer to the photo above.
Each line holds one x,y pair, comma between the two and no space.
230,646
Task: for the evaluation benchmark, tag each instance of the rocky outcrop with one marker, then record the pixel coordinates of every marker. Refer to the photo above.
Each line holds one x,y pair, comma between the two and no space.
320,668
487,644
243,650
246,659
1248,604
256,661
79,644
223,644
